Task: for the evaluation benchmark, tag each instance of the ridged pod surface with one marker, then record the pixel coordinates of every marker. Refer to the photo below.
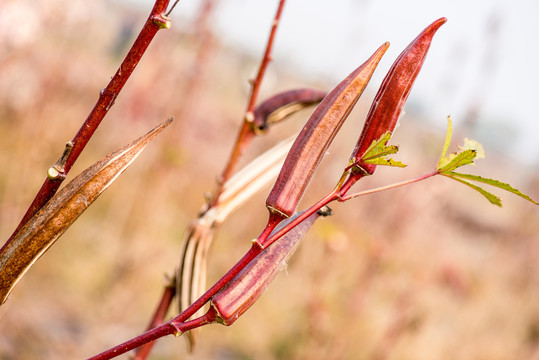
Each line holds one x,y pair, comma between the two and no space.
250,283
316,136
393,93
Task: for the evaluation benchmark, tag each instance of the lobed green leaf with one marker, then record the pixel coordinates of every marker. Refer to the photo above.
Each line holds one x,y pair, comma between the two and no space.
378,151
386,162
457,160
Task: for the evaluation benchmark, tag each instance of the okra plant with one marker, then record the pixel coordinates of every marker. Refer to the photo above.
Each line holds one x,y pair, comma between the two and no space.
290,165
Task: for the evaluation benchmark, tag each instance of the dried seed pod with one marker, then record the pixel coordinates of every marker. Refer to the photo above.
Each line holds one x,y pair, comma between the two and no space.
44,228
280,106
249,284
316,136
251,178
391,97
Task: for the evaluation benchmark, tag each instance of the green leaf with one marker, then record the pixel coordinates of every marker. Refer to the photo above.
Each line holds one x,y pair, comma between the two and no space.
377,146
382,151
467,153
490,197
378,151
473,145
454,161
496,183
386,162
449,133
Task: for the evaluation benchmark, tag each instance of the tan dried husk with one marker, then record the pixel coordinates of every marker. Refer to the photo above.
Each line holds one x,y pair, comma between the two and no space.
44,228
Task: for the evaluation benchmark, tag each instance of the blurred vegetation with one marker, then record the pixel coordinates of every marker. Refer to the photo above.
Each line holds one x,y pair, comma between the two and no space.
432,271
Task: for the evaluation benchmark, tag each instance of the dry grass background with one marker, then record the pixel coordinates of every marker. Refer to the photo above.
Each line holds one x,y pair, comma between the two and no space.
431,271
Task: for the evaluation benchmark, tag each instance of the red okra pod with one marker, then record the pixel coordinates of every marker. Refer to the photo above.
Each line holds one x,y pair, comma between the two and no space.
391,97
249,284
316,136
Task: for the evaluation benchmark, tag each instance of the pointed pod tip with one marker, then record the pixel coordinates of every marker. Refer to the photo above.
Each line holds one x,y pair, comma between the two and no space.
381,50
161,126
166,122
437,23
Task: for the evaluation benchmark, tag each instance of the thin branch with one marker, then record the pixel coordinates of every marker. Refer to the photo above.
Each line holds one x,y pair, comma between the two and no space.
179,324
169,328
245,135
246,132
388,187
158,318
172,7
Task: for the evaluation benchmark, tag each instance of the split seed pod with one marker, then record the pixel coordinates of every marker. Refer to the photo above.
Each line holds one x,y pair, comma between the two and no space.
44,228
391,97
191,276
316,136
251,282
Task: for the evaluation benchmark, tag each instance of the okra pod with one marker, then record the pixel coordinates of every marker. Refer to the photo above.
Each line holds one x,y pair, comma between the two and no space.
393,93
316,136
251,282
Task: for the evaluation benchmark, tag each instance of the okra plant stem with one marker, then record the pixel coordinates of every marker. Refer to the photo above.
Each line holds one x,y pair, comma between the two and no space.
246,132
180,324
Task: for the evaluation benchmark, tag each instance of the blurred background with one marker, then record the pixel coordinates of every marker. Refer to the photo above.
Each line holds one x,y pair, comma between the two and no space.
432,271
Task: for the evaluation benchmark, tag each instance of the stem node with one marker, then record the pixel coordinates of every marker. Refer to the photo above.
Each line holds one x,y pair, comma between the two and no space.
257,244
162,21
57,171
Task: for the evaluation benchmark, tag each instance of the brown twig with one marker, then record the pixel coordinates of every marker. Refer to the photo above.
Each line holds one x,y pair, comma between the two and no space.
156,21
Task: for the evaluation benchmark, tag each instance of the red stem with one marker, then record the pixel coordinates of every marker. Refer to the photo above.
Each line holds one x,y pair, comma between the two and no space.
159,315
244,136
168,328
180,323
387,187
264,242
246,131
155,22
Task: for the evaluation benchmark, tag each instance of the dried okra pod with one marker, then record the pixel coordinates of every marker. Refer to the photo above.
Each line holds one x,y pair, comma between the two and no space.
53,219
